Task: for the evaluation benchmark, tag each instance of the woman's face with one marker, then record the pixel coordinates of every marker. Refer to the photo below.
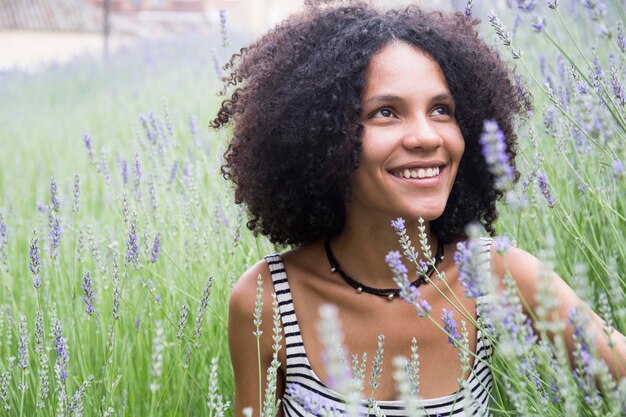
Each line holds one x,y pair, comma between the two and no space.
411,143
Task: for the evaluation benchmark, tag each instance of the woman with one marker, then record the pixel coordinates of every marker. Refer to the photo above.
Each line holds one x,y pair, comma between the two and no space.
343,120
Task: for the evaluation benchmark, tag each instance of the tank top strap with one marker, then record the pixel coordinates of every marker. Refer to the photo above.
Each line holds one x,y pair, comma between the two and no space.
294,347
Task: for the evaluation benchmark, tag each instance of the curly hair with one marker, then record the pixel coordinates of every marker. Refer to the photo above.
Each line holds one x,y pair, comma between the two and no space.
296,105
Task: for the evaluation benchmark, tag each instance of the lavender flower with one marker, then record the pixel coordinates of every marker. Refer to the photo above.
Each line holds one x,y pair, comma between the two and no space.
526,5
331,336
620,39
450,326
502,244
173,172
539,23
137,174
468,8
4,242
312,402
505,36
88,296
76,194
618,168
553,4
146,126
204,303
158,344
89,147
473,275
61,348
618,87
596,9
22,346
182,321
124,171
41,207
132,245
542,182
494,150
156,248
54,197
35,260
223,31
55,233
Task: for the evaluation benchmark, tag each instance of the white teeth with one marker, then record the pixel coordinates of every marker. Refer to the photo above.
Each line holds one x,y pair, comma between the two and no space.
417,173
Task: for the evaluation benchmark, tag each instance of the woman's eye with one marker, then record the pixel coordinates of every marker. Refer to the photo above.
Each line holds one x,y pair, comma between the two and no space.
384,112
441,110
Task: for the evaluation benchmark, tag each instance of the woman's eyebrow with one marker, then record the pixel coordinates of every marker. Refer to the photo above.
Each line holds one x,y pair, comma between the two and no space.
392,97
383,97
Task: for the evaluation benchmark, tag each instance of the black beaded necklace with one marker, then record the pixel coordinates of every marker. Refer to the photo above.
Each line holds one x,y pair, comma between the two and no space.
389,293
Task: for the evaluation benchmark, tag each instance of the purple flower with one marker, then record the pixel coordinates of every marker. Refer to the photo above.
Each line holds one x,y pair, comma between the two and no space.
470,260
526,5
553,4
124,171
620,38
502,244
618,87
618,168
596,9
156,248
41,207
35,260
88,296
61,349
398,225
132,245
146,126
193,125
542,182
498,26
76,194
494,150
539,23
87,141
450,326
89,147
54,198
223,31
137,171
173,172
468,8
55,233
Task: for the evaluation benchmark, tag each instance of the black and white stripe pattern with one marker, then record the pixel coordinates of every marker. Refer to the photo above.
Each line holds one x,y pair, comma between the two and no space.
299,372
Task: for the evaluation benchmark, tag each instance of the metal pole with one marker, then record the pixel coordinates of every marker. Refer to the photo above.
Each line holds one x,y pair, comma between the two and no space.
106,28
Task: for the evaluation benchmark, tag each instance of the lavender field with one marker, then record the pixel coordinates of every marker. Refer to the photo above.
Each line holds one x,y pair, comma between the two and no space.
120,241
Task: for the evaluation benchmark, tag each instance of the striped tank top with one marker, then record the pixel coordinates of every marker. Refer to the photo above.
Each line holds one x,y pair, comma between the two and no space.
313,394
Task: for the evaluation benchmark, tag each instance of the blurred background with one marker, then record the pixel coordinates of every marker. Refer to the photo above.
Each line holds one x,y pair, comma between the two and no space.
35,33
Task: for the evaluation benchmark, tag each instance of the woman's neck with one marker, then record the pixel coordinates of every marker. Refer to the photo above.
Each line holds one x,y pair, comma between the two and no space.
361,247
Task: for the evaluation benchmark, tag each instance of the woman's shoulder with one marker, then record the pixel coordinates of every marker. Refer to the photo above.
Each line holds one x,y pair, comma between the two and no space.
523,267
245,291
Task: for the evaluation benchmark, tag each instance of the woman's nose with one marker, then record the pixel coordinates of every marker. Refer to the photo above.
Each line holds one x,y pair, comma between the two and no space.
420,133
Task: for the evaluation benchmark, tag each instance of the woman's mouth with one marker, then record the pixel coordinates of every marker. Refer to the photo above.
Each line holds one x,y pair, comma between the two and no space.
422,172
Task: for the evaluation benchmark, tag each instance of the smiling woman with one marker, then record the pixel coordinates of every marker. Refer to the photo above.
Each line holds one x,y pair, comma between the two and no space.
345,118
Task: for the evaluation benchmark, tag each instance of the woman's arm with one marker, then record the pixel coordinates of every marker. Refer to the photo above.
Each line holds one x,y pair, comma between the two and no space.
244,353
526,270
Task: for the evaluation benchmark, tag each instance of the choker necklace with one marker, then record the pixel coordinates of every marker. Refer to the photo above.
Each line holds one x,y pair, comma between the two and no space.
389,293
